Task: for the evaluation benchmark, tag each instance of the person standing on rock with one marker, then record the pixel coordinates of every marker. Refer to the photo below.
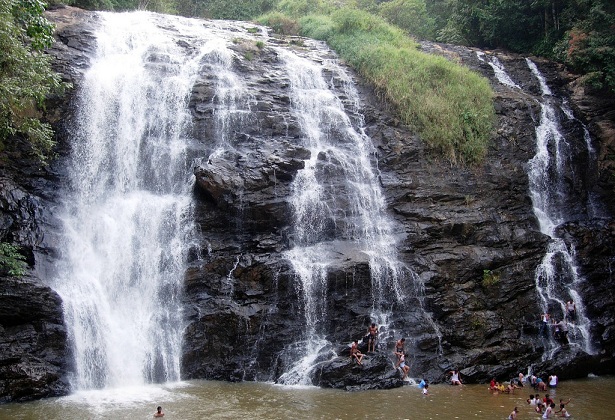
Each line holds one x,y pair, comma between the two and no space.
355,353
544,323
571,310
372,333
399,347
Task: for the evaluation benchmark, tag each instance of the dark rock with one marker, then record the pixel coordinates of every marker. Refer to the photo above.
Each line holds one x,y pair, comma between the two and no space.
376,372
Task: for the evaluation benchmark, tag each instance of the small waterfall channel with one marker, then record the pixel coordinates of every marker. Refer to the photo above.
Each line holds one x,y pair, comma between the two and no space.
338,208
557,278
127,215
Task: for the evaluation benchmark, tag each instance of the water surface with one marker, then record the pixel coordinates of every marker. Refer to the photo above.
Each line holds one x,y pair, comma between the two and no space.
591,399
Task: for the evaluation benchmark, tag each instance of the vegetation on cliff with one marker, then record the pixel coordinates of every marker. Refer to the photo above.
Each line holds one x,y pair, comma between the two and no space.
26,77
449,106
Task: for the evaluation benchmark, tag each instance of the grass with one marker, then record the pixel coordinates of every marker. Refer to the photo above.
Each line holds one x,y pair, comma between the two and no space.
448,105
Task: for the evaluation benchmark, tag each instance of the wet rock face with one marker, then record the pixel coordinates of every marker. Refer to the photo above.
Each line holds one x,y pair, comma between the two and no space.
243,305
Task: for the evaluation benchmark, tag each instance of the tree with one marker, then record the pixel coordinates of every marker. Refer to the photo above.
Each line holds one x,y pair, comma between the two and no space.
26,77
410,15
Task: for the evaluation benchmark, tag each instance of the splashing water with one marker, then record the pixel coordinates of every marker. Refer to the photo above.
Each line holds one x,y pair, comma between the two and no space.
128,212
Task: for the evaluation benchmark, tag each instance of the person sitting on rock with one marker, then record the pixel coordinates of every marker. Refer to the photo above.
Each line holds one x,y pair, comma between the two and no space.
401,363
355,353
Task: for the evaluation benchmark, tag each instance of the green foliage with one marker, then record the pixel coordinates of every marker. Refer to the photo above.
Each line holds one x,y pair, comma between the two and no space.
410,15
579,33
26,77
223,9
280,23
11,261
450,106
490,278
591,46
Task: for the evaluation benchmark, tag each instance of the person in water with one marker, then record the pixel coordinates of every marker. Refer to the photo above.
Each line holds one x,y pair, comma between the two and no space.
513,415
455,378
159,412
372,335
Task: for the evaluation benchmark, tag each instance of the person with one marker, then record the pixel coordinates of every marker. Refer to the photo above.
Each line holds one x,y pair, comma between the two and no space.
401,363
355,353
513,415
533,381
540,384
562,410
492,385
422,383
531,400
426,389
547,400
511,387
548,411
521,379
553,381
399,349
561,401
372,332
563,331
159,412
539,406
544,322
571,310
455,379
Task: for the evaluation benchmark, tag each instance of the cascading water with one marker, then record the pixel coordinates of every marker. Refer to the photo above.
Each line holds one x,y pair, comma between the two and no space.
347,213
127,213
557,278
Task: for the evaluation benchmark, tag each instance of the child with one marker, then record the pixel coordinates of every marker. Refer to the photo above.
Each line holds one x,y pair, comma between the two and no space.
425,391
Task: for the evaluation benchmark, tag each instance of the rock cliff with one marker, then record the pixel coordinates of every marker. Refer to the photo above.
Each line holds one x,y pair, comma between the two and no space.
456,226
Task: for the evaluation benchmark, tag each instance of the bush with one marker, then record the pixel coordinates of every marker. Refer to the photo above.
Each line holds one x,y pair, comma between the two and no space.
280,23
11,261
26,78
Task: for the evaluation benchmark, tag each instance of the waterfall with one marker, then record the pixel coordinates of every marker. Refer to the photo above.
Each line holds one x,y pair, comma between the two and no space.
127,214
557,278
338,206
498,69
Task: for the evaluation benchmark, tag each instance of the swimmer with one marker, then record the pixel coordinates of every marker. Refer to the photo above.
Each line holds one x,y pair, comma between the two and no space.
159,412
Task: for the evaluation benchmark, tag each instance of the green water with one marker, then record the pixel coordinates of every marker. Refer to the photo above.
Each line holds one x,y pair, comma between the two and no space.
591,399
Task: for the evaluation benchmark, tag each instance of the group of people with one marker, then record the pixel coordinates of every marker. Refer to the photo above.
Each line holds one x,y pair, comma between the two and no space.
546,406
371,338
560,328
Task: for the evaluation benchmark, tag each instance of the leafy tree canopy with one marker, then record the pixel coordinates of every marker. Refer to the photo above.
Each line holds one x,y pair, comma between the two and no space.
26,77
